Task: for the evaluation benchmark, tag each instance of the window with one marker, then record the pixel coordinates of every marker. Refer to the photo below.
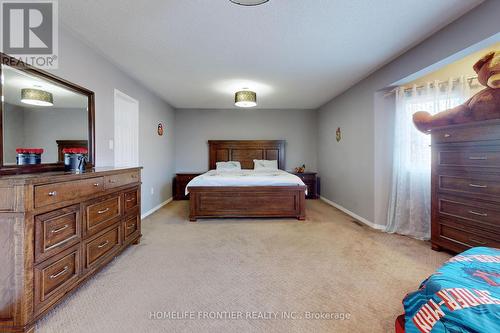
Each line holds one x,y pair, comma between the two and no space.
409,207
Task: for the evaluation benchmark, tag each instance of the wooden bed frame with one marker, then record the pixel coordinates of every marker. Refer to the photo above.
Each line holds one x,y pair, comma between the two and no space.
246,201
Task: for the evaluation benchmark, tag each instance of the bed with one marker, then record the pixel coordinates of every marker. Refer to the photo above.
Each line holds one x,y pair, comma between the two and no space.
213,195
462,296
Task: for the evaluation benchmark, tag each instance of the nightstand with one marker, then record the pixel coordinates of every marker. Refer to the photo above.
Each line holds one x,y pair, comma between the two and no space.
310,179
180,182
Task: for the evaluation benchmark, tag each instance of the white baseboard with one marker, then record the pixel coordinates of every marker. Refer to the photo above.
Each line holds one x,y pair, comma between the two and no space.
354,215
154,209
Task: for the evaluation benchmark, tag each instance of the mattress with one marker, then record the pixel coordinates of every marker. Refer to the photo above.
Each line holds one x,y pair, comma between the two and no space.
245,178
462,296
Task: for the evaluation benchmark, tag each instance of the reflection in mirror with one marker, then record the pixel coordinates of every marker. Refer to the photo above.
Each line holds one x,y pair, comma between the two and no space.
40,114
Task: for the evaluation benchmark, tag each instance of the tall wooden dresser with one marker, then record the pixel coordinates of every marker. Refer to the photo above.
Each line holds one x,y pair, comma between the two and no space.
466,186
56,230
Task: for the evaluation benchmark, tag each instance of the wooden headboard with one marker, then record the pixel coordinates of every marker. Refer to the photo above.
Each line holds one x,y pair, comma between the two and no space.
245,151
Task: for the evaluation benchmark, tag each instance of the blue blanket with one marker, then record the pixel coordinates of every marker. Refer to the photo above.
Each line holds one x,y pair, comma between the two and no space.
462,296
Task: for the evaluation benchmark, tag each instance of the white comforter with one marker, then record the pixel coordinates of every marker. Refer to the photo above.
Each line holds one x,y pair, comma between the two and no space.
245,178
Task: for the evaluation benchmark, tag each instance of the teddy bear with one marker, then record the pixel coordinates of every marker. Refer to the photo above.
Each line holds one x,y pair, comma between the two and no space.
484,105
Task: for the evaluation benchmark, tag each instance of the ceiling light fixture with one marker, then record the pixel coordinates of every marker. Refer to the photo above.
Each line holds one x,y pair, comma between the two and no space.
249,2
36,97
245,99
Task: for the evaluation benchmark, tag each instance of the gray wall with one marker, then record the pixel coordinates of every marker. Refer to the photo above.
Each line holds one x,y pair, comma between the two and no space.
28,127
81,64
43,127
193,128
349,170
13,135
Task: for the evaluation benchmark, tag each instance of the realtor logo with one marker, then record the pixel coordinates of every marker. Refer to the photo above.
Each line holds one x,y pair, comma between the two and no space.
30,31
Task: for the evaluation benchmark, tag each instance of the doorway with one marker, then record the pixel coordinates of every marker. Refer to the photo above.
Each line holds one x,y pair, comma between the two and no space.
126,145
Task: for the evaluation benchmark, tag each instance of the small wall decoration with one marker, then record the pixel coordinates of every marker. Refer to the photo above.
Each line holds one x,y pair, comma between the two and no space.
338,134
160,129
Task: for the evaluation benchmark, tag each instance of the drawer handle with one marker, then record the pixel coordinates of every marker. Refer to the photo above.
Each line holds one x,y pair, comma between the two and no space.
55,231
130,200
477,213
100,246
54,276
52,193
477,241
447,135
478,158
478,186
96,184
103,211
132,226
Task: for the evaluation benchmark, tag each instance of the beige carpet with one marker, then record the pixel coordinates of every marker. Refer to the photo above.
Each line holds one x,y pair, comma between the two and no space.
246,268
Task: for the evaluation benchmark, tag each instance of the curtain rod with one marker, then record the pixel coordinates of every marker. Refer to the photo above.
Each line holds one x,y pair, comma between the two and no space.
431,84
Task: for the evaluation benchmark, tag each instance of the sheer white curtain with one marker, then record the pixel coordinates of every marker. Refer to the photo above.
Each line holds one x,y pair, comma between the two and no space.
410,202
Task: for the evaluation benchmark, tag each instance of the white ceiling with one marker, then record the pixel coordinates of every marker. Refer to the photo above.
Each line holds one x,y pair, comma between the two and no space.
293,53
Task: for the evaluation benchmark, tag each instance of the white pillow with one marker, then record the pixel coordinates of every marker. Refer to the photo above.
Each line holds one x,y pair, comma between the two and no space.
265,165
231,165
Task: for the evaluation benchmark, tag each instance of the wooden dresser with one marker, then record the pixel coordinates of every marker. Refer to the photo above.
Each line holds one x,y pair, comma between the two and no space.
466,186
57,230
310,179
180,182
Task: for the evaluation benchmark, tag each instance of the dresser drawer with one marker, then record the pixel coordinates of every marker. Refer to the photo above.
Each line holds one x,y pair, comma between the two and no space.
474,184
482,214
58,192
122,179
473,133
469,158
56,231
100,214
55,276
102,246
306,177
460,236
131,228
131,200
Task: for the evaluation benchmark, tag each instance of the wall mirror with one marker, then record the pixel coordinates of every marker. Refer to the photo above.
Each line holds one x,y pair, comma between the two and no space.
44,114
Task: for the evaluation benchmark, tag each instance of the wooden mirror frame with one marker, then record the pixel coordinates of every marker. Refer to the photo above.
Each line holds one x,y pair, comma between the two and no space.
17,169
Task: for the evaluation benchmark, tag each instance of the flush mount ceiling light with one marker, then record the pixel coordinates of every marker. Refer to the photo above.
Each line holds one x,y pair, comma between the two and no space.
249,2
36,97
245,99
